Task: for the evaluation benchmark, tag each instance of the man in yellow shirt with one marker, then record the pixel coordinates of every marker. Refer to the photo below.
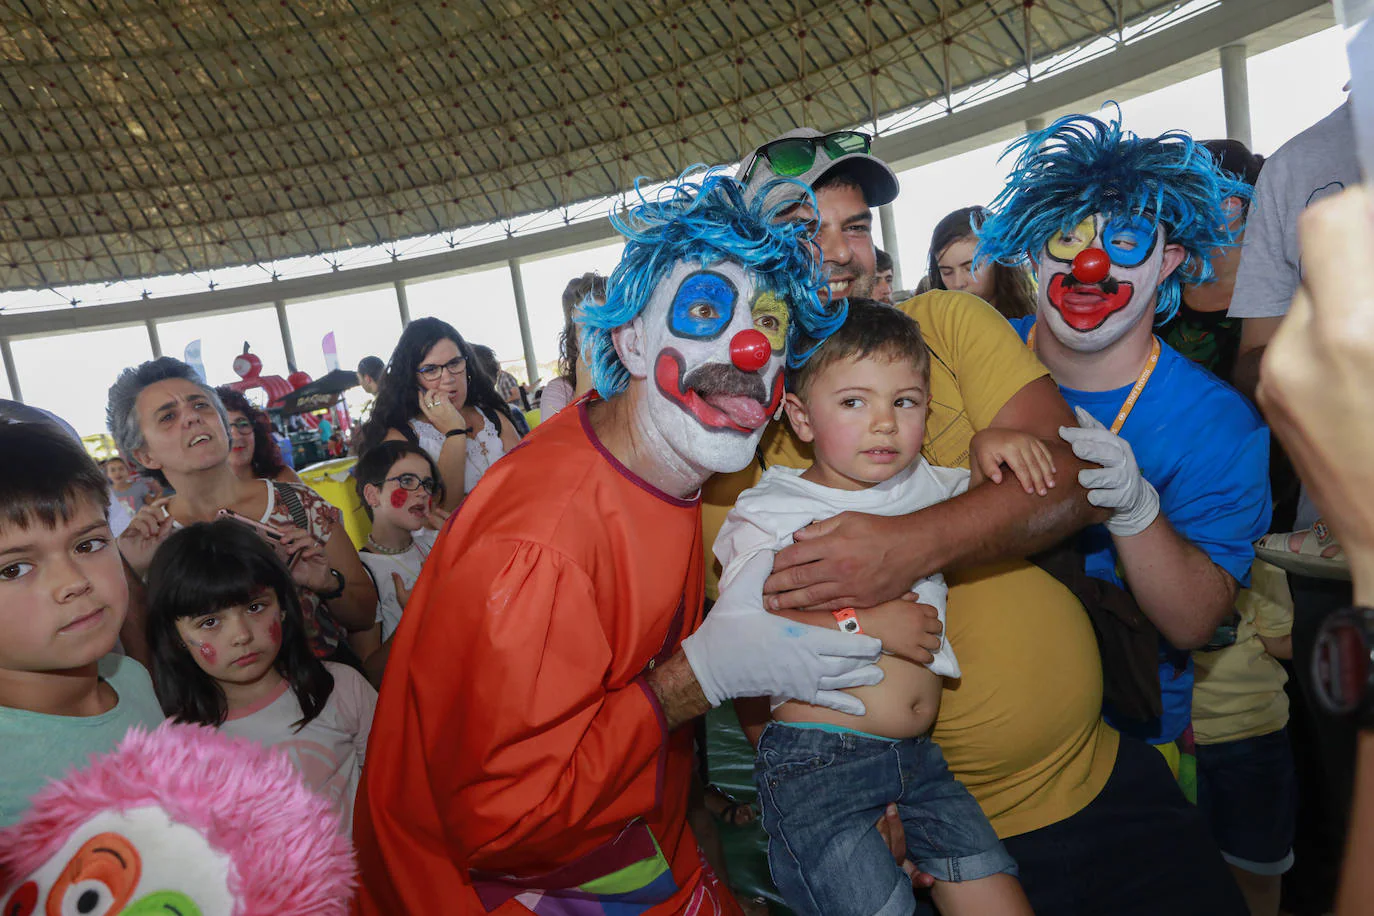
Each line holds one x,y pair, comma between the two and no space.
1096,824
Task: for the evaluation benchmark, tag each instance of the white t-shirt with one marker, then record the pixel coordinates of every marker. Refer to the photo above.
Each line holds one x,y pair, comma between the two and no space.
329,750
765,517
483,448
408,565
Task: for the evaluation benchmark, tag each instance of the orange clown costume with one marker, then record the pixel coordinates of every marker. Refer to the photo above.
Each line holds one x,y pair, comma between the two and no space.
520,758
537,775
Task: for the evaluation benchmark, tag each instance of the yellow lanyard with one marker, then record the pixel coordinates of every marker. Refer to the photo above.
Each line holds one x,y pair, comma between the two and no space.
1139,386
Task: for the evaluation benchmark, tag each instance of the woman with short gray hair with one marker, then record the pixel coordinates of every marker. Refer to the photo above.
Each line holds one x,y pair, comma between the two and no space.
170,422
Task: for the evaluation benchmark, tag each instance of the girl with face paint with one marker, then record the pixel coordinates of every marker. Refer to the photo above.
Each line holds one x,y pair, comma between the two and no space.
229,648
401,489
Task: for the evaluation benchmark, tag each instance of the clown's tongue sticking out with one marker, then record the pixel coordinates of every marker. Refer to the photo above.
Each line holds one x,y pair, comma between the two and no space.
717,395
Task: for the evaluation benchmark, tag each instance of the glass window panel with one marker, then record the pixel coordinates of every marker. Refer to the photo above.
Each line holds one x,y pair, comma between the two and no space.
222,338
71,374
366,323
545,279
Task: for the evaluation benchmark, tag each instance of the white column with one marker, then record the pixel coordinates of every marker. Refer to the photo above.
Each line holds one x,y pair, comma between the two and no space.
153,340
402,303
11,370
888,220
1235,93
285,335
531,364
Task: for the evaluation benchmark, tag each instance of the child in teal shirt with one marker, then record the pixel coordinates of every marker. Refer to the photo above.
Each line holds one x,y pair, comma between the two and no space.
63,695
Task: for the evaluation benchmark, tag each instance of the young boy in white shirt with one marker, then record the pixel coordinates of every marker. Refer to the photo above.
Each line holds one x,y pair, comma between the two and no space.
825,777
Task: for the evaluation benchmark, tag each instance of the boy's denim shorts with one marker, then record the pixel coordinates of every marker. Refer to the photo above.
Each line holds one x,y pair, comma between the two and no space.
1248,791
822,792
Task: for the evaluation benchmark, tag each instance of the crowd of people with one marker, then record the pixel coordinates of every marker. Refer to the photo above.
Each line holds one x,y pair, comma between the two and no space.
976,564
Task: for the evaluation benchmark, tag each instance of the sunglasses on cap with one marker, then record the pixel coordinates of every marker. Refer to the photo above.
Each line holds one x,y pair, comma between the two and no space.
793,156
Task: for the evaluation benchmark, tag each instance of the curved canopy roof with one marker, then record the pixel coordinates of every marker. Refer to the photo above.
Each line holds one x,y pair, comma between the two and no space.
145,137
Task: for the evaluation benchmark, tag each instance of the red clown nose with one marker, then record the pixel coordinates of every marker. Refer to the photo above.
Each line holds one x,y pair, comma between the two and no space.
750,350
1091,265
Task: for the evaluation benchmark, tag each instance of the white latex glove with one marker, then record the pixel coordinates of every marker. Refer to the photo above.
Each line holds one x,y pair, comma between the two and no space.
741,650
1118,484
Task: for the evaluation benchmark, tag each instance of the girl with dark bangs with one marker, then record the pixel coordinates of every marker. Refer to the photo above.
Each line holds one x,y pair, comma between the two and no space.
229,650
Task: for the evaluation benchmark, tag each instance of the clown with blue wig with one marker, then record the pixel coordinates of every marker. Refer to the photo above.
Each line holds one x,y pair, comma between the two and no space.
528,755
1115,224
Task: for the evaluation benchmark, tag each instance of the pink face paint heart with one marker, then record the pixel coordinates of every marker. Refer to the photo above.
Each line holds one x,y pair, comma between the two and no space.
207,652
398,498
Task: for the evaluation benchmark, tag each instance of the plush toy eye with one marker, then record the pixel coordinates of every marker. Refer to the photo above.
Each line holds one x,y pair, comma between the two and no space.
24,900
91,897
98,879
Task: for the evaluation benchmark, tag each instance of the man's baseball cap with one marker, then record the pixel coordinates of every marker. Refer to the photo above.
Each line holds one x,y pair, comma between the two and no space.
871,174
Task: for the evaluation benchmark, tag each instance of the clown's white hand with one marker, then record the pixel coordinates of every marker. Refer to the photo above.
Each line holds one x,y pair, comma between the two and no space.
741,650
1118,484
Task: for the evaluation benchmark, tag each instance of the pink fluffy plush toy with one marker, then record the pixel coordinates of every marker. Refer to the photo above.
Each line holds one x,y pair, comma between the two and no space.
178,822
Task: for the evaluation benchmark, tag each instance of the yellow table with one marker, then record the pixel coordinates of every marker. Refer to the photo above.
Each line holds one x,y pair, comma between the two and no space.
333,480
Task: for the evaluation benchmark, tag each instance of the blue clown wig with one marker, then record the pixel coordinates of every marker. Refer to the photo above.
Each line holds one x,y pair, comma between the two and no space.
1079,166
705,219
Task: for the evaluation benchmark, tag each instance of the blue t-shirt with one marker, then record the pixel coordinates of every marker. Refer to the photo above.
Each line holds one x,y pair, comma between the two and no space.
1206,450
36,747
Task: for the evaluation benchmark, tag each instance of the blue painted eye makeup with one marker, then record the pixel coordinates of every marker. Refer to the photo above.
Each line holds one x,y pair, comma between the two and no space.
703,306
1129,240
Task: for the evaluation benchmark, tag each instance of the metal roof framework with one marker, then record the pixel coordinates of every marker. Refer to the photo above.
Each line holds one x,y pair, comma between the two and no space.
1174,41
150,137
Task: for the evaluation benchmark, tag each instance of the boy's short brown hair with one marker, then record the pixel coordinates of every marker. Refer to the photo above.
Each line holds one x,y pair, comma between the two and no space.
47,474
871,329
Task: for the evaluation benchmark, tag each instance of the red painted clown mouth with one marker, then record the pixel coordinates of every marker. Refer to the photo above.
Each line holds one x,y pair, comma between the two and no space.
725,406
1086,307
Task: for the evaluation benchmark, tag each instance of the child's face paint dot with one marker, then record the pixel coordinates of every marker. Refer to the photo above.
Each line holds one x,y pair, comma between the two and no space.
274,632
207,652
398,498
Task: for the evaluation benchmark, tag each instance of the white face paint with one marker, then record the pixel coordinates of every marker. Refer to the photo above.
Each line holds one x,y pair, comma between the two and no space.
1091,316
136,862
704,408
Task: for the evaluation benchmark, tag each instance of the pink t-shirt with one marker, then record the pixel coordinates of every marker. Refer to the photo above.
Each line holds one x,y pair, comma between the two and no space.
329,750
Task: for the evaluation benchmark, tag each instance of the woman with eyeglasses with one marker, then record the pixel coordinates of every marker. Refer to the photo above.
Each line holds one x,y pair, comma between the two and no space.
952,248
433,396
399,486
253,452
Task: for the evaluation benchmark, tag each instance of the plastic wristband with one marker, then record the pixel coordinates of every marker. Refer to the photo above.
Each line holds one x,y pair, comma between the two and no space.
458,432
847,620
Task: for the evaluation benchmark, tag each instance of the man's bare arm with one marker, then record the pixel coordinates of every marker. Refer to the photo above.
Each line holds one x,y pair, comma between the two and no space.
677,690
1177,585
133,634
1254,337
861,560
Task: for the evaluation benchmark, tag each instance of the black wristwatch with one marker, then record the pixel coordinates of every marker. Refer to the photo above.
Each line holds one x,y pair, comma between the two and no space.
338,586
1343,664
